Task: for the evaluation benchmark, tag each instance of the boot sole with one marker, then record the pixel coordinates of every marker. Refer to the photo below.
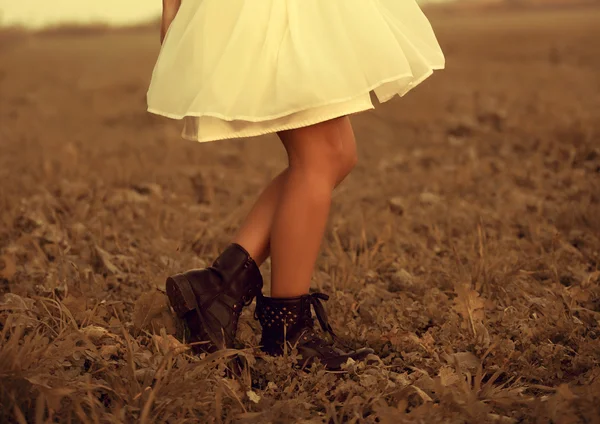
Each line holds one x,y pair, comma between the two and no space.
182,300
180,294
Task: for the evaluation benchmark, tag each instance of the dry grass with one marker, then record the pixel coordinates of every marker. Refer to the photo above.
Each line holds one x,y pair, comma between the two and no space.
464,248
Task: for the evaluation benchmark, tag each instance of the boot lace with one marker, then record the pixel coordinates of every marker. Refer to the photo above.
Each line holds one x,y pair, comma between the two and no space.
315,300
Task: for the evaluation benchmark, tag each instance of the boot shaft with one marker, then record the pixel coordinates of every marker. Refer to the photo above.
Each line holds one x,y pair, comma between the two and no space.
282,319
233,276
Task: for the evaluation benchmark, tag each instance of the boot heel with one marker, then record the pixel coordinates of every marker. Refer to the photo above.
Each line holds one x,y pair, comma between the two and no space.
180,294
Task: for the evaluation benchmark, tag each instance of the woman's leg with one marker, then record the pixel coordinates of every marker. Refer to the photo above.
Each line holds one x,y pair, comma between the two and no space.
318,155
255,232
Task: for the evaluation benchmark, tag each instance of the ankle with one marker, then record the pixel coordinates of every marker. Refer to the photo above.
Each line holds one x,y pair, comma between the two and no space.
287,292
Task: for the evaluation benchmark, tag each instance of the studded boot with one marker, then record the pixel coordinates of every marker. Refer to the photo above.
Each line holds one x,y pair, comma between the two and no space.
210,300
292,318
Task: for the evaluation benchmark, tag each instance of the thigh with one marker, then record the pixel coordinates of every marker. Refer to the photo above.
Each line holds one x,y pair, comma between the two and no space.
324,142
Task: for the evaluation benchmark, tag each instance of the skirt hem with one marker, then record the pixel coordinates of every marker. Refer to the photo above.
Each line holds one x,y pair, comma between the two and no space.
290,126
410,86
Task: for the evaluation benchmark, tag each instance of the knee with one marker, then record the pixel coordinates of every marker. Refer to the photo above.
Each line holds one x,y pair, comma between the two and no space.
327,149
332,159
344,159
348,160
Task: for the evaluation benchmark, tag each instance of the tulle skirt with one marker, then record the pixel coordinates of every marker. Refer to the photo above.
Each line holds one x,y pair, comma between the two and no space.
240,68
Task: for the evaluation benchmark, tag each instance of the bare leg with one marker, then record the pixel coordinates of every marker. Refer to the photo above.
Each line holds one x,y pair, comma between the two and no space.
318,155
255,232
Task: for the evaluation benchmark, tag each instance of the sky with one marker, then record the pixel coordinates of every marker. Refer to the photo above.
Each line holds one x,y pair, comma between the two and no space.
39,13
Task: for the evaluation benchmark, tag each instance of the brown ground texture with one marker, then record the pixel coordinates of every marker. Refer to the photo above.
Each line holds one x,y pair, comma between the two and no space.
464,248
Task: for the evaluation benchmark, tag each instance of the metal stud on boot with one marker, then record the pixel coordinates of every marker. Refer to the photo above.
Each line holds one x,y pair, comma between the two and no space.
210,300
295,316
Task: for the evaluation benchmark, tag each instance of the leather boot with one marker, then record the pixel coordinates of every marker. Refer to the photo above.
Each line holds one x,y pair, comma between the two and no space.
210,300
294,316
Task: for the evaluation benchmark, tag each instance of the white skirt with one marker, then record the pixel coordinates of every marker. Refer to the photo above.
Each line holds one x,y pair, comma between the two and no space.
240,68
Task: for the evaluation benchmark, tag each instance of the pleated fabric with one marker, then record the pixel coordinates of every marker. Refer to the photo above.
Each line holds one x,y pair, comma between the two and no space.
239,68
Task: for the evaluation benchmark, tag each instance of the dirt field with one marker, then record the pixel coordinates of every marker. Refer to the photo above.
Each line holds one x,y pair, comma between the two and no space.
464,248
